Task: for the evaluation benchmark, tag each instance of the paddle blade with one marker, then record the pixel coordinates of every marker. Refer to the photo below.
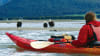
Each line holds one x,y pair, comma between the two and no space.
40,44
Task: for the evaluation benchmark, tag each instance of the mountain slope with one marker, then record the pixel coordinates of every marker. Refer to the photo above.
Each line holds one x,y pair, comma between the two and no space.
31,8
3,2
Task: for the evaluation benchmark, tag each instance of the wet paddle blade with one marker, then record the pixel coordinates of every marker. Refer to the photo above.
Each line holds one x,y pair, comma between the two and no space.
40,44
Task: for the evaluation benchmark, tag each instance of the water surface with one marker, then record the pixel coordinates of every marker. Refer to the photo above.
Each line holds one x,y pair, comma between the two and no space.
8,48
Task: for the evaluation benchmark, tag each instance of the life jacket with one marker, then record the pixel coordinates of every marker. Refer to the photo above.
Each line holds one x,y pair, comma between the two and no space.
45,25
96,35
96,31
19,24
51,23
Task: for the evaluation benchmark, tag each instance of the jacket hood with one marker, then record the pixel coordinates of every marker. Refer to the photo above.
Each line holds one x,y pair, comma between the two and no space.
95,23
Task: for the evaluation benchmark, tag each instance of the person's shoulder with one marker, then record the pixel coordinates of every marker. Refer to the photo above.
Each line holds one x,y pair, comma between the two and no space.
86,26
98,21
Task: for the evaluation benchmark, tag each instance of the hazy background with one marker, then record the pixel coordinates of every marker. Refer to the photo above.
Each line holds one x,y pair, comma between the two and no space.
37,8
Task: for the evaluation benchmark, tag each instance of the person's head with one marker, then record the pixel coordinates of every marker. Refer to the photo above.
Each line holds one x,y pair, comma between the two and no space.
90,16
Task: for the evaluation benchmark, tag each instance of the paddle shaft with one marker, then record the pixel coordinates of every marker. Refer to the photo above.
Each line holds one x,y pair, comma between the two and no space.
42,40
61,42
56,42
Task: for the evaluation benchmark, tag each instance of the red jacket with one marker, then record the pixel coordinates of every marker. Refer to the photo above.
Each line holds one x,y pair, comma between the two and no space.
85,33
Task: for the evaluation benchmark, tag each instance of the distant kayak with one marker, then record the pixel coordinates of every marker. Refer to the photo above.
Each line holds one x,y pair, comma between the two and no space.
55,48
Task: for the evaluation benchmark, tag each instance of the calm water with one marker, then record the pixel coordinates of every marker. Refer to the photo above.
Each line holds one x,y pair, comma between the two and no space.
8,48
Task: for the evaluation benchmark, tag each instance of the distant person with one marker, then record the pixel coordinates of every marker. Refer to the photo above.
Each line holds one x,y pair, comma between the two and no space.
7,20
45,24
89,33
51,23
19,24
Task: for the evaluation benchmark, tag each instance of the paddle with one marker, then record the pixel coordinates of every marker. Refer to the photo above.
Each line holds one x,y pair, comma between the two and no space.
43,44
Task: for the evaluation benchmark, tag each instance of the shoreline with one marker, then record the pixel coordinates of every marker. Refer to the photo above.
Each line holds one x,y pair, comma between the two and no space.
50,29
36,21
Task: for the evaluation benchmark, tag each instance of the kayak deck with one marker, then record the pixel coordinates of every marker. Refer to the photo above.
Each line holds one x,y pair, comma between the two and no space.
56,48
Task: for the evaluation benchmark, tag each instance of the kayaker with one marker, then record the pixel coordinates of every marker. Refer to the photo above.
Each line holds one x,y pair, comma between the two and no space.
86,35
19,24
51,23
45,24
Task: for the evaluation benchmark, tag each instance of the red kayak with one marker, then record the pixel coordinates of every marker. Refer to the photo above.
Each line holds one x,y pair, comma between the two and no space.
56,48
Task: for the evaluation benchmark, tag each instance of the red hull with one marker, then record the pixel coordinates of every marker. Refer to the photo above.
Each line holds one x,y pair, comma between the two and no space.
57,48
